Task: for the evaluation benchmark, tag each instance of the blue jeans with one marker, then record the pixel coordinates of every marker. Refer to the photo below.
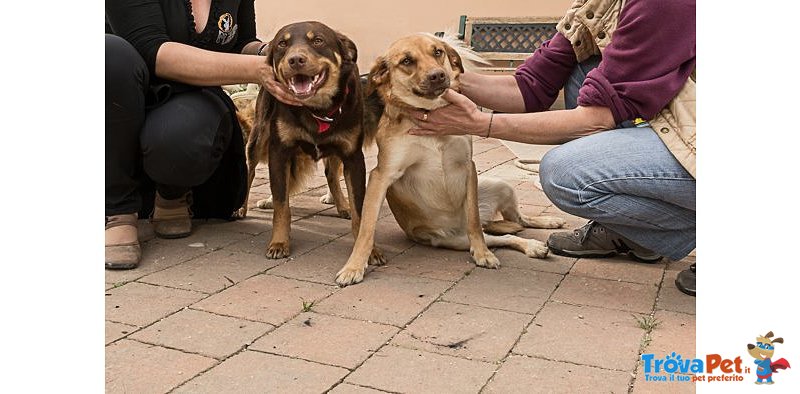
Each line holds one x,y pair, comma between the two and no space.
625,179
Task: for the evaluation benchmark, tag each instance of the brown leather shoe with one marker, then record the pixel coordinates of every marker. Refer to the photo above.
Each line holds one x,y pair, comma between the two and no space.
172,218
122,242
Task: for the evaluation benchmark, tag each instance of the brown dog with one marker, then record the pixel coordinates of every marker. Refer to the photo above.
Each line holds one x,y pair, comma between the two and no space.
431,182
318,65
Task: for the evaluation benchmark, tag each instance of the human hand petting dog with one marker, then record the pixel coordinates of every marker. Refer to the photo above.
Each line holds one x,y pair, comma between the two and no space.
275,88
460,117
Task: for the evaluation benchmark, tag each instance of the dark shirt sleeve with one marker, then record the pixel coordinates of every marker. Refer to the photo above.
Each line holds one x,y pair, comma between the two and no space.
545,72
141,23
650,57
247,25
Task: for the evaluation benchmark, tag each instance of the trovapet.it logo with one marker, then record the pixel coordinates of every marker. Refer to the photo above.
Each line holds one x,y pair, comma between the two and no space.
716,368
676,368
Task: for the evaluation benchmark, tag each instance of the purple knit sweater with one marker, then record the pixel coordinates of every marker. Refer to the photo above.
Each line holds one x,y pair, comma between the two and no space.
649,59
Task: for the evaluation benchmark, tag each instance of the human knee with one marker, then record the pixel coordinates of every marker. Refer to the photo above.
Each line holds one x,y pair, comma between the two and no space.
188,151
123,62
557,176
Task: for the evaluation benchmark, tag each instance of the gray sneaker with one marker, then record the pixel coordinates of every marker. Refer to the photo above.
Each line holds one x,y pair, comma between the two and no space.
596,240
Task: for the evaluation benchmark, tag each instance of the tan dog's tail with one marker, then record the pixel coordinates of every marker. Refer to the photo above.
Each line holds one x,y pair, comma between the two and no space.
245,102
502,227
301,169
470,59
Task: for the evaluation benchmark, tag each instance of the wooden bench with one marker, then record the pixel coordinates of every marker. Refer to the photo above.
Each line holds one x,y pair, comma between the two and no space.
505,41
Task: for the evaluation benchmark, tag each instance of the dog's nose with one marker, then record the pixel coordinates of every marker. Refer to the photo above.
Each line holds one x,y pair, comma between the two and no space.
437,77
297,61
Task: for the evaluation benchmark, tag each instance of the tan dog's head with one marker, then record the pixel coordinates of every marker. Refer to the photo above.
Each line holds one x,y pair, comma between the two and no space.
765,346
309,58
416,71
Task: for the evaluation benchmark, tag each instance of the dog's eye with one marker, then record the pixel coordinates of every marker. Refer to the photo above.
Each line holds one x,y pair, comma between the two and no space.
318,41
406,61
437,52
282,44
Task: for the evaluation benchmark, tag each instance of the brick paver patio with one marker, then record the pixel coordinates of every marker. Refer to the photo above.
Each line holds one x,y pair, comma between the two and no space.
210,313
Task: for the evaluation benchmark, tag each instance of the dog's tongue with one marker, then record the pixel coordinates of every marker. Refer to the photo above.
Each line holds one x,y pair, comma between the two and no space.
301,84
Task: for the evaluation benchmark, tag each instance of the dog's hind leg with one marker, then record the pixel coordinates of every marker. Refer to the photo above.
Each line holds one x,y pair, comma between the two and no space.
333,172
252,161
508,206
531,247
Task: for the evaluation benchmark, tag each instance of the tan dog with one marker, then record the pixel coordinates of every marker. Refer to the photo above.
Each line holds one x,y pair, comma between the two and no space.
431,183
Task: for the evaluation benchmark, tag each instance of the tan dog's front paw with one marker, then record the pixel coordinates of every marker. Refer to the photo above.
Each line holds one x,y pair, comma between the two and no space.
536,249
485,259
376,257
265,203
349,276
278,250
327,198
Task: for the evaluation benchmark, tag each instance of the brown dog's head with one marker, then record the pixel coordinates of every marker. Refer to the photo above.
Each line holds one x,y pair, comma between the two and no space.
309,58
416,70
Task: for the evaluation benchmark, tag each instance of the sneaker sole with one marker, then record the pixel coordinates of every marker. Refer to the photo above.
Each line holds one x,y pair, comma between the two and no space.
121,266
592,254
684,290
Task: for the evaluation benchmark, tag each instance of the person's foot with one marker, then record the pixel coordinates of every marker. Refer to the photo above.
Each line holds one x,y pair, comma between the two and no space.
122,242
172,218
596,240
686,280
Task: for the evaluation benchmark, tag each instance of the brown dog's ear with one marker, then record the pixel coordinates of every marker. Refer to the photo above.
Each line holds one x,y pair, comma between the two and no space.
455,58
378,75
349,50
777,340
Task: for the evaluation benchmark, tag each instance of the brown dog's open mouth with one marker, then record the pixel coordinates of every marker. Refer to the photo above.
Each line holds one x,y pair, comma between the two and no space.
305,86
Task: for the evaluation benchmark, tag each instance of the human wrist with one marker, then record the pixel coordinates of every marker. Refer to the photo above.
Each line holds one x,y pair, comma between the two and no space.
483,123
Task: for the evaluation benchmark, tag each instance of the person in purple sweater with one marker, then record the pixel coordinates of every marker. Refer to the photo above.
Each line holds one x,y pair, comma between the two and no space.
612,167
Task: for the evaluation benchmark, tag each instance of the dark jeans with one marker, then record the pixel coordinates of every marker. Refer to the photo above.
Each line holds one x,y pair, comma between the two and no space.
170,138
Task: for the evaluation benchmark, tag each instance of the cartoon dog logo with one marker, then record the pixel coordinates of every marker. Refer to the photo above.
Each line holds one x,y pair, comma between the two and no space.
762,351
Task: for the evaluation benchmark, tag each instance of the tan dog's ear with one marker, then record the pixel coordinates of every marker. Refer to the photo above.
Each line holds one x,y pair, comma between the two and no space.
777,340
455,58
379,74
348,47
769,335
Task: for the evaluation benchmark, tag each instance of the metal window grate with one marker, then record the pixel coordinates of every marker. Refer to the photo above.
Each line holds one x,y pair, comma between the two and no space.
523,37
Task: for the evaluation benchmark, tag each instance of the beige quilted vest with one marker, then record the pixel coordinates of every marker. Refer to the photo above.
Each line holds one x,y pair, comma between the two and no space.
589,25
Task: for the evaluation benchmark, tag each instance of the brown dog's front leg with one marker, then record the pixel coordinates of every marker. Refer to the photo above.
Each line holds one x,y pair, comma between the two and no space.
481,254
281,215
